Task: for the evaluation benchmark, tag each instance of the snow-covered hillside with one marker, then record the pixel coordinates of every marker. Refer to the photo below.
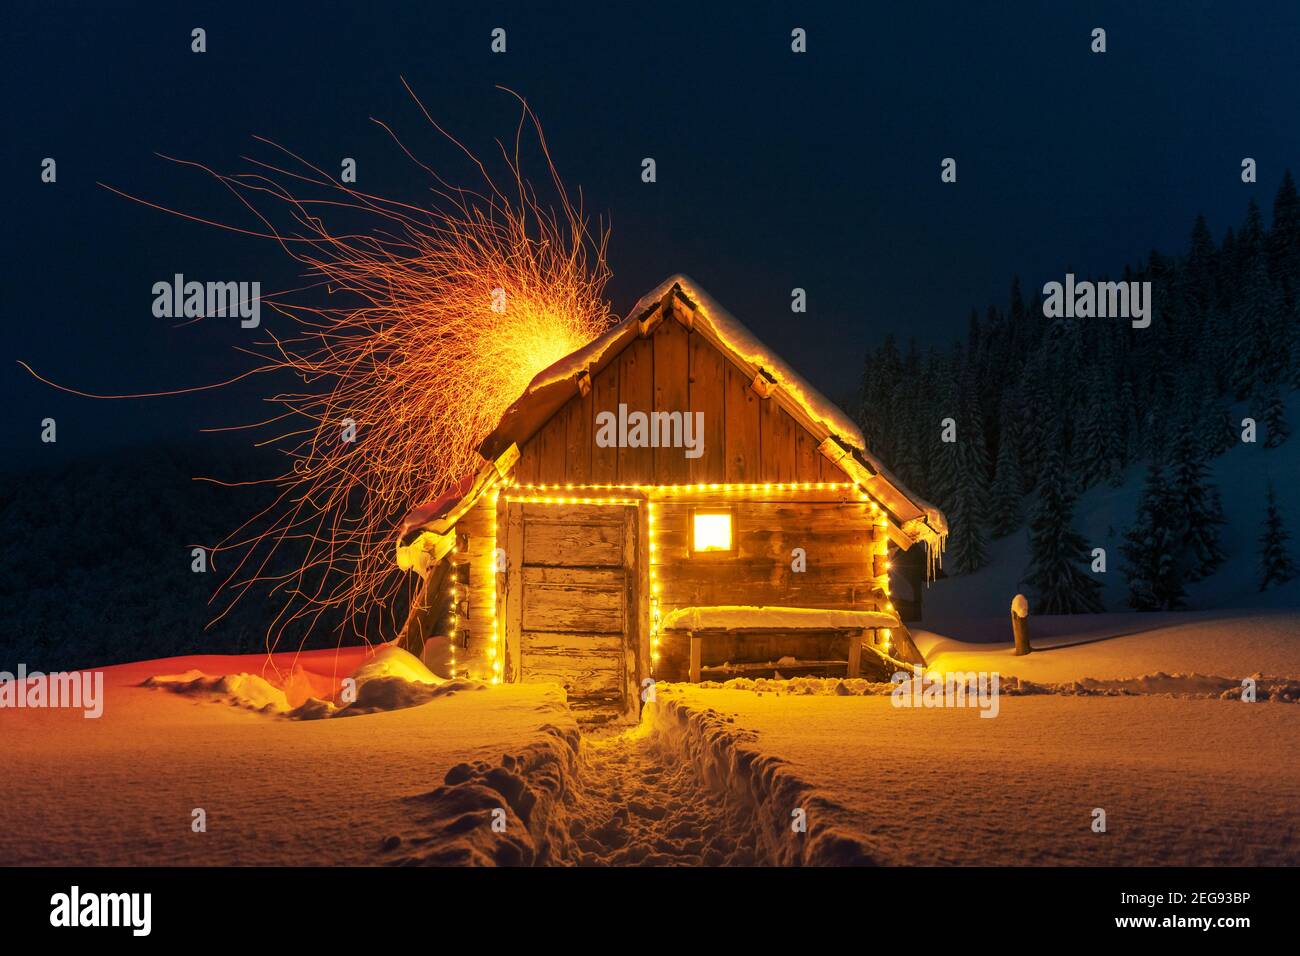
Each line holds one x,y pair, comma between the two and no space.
962,606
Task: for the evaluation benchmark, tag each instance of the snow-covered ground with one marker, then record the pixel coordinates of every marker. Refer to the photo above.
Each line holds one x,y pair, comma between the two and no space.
798,772
1230,644
1192,782
1183,775
123,789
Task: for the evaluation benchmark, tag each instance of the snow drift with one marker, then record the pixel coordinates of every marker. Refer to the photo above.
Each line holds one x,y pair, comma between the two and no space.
389,679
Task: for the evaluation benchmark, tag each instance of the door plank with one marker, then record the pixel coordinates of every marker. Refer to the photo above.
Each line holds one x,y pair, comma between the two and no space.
573,545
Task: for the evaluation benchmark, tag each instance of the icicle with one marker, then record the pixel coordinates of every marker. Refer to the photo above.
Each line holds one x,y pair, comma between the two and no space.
934,547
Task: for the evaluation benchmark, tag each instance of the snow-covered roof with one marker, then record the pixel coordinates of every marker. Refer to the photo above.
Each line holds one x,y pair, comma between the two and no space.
733,336
745,345
911,518
914,518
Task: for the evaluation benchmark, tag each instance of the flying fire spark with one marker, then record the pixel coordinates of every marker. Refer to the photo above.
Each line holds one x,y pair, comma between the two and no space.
452,309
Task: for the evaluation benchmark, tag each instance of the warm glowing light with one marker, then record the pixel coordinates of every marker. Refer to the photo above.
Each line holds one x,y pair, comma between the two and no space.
712,531
414,329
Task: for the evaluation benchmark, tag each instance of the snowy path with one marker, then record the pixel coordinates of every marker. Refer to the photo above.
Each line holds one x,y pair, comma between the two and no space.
632,807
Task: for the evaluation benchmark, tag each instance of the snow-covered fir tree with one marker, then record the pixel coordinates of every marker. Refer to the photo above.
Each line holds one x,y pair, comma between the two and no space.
1273,419
1226,330
969,509
1217,430
1255,312
1058,579
1007,492
1199,505
1284,240
945,461
1276,565
1153,546
1099,445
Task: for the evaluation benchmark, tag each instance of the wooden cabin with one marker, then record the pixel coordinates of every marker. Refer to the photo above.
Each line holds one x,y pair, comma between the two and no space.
738,526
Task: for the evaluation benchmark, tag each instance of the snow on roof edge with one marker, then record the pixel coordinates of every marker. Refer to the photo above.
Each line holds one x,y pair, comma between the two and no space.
748,346
932,525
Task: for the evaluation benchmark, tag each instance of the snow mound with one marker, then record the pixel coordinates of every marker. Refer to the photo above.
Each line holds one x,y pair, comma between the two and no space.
1186,686
238,690
525,790
381,694
393,661
390,679
758,787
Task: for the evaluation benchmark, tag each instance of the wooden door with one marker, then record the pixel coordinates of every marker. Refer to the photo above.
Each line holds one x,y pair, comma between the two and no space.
575,614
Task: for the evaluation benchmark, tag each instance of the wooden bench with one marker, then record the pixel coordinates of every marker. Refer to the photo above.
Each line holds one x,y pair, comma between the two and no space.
699,622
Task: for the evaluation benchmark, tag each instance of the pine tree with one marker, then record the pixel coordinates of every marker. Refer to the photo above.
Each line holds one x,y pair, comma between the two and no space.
969,509
1284,239
870,417
1210,341
1007,492
1215,433
1200,510
945,463
1153,547
1130,423
1256,312
1275,563
1056,579
1293,347
1273,418
1034,397
1098,447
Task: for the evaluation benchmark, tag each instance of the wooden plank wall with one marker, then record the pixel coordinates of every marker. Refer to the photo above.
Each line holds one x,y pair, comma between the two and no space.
746,438
834,529
836,538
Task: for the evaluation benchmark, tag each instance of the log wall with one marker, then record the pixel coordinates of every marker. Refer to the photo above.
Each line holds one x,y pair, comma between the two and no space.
747,438
477,534
835,529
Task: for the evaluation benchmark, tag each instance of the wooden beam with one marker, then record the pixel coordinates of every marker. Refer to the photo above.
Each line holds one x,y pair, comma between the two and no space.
696,650
741,439
683,311
636,389
708,395
647,323
672,370
640,574
513,609
506,460
855,653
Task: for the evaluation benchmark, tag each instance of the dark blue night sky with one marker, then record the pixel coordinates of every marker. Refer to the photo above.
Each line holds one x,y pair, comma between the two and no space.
774,170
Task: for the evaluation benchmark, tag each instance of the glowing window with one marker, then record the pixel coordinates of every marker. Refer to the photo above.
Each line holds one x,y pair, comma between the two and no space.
712,531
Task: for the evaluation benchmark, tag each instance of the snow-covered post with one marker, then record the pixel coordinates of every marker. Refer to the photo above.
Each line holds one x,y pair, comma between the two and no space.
1020,624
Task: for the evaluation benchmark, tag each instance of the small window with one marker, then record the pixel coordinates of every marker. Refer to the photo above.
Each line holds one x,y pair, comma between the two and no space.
711,532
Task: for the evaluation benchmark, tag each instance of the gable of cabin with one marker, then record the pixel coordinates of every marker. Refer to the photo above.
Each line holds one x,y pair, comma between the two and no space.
747,438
